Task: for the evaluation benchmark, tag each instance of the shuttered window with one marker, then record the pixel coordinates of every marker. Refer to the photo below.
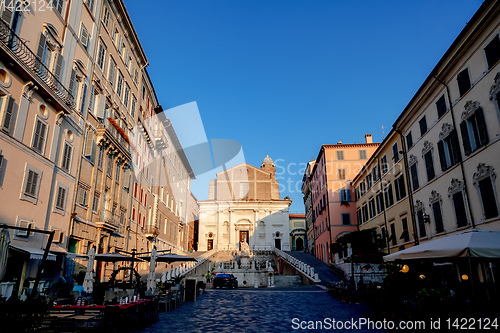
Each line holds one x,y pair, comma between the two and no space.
31,183
449,150
463,82
441,106
474,132
39,136
84,37
429,166
492,51
61,197
66,159
7,124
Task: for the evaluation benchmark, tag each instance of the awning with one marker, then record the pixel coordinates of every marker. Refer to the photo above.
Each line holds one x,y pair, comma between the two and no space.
35,254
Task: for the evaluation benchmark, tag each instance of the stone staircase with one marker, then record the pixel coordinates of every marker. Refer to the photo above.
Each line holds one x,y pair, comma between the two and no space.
325,274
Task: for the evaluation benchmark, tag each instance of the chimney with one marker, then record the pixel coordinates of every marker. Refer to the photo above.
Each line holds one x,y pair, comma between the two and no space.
368,138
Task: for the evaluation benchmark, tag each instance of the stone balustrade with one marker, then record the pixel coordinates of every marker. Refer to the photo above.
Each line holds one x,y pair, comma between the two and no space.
302,267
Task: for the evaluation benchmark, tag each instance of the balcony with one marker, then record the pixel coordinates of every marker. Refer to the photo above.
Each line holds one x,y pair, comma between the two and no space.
30,68
112,134
151,231
108,221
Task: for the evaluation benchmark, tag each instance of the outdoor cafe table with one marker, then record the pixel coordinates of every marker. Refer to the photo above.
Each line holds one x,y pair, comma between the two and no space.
90,307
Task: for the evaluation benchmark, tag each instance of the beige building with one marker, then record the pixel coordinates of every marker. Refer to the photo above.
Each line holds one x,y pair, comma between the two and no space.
452,130
306,191
381,192
244,205
298,232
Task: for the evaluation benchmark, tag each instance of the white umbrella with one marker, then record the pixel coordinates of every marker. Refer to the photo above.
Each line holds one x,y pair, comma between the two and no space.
4,251
169,275
151,284
163,277
88,283
471,243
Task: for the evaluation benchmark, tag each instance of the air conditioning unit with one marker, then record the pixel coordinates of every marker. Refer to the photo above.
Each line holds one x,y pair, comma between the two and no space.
25,233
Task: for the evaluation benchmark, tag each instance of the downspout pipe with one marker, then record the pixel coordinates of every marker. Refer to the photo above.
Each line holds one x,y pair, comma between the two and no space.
460,160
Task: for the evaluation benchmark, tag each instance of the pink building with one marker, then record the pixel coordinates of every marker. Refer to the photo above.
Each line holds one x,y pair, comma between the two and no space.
334,208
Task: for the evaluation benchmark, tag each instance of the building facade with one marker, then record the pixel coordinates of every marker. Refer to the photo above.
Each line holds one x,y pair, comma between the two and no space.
244,205
306,191
298,232
334,210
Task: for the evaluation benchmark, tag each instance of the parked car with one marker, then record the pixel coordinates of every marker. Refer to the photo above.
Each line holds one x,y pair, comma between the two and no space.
223,280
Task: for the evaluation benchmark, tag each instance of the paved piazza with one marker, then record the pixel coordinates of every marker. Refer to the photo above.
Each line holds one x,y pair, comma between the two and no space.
258,310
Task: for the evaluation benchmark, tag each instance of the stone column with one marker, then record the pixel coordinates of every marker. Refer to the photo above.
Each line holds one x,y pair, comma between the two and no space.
232,231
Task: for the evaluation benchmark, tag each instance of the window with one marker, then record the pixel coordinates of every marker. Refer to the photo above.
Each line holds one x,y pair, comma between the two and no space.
61,198
346,219
100,159
395,152
341,173
463,82
58,5
438,216
364,209
105,17
441,106
132,109
117,173
90,5
362,188
421,223
459,207
82,196
31,184
380,203
369,180
101,53
393,238
90,146
492,51
39,136
345,195
376,173
473,128
84,37
400,188
66,158
371,206
340,155
409,140
126,96
405,235
109,170
429,166
389,198
9,116
448,149
484,182
423,126
362,154
95,203
119,85
111,72
384,164
359,216
414,176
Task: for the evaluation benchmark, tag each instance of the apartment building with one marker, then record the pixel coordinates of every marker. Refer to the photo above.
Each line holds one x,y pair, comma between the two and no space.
306,191
452,131
334,209
382,197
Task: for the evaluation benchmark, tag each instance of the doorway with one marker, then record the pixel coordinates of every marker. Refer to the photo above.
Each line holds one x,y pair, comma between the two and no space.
299,244
243,236
277,243
210,244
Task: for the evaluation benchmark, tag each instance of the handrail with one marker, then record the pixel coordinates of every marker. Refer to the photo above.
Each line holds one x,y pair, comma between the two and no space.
302,267
18,49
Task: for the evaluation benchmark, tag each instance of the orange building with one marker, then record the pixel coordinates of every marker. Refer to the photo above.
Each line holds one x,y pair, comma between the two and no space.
334,208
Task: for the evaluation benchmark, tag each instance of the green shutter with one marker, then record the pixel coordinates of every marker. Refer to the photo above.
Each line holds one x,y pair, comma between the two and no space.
442,155
465,137
57,69
455,148
481,127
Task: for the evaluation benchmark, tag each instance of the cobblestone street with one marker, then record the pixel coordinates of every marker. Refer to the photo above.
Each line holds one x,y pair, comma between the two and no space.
257,310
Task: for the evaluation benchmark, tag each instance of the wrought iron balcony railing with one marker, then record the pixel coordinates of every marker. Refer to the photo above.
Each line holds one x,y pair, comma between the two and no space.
13,45
107,216
105,124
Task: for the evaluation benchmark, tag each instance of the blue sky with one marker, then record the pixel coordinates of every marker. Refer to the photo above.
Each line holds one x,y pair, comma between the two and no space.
283,77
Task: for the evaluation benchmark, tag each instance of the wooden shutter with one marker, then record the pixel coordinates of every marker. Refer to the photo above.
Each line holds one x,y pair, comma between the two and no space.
481,127
465,137
39,53
66,156
455,149
84,96
88,143
8,114
442,155
101,107
71,86
57,69
84,38
7,13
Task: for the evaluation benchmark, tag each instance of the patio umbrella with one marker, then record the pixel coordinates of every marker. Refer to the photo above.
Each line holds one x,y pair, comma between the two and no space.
4,251
169,275
474,243
151,284
163,277
88,283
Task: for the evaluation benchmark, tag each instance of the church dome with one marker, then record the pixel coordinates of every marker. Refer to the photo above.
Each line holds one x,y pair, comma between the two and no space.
267,160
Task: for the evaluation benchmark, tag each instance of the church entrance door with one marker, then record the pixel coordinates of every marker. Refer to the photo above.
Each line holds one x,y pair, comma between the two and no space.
210,244
299,244
243,236
277,243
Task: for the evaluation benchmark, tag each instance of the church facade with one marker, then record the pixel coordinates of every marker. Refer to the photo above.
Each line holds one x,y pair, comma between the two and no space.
244,209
